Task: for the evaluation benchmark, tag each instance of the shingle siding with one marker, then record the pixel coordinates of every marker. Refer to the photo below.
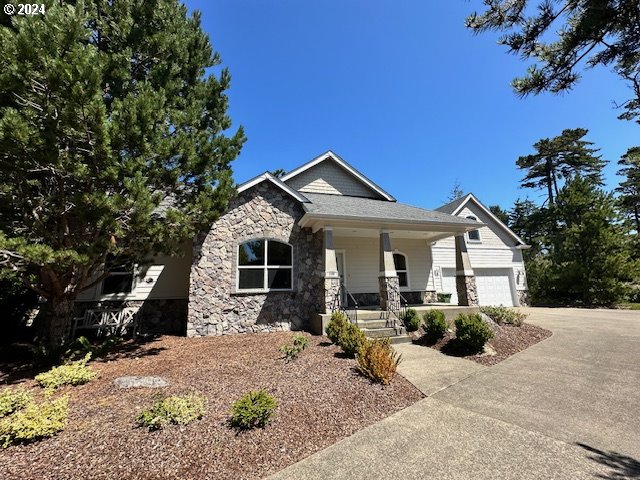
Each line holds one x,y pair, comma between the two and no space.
327,177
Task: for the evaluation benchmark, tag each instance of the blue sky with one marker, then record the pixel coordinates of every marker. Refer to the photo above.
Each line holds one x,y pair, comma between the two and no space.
401,90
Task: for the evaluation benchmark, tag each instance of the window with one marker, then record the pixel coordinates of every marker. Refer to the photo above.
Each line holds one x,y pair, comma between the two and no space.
265,265
400,262
474,235
120,279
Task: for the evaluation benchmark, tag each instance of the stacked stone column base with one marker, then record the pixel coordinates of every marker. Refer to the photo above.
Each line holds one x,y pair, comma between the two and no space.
467,290
389,299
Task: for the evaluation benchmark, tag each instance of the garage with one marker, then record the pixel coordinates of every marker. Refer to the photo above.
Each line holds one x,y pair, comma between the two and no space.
495,285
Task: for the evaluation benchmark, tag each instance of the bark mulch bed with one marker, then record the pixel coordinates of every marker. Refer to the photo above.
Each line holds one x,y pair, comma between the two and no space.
322,399
507,340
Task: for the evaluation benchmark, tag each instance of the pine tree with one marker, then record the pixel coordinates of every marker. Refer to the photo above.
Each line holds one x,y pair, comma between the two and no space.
500,212
560,158
564,37
590,262
629,188
106,109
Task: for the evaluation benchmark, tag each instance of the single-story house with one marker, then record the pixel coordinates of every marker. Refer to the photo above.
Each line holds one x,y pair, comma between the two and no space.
311,242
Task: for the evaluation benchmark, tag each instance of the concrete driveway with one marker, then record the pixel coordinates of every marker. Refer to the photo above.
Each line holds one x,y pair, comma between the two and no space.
566,408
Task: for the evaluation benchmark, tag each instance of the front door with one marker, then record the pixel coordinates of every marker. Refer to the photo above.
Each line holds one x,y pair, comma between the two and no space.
341,272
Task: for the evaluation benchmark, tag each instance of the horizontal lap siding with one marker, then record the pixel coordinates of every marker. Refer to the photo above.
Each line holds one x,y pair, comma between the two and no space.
165,278
362,257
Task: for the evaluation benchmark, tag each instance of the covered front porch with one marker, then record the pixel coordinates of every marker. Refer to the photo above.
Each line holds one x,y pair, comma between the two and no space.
389,268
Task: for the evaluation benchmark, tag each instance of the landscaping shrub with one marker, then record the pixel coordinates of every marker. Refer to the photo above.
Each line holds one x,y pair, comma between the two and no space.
293,349
336,326
75,373
82,345
504,315
179,410
435,324
352,339
411,320
472,332
255,409
34,421
378,360
13,399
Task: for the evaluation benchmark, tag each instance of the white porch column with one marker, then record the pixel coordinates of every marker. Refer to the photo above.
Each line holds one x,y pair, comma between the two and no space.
388,282
465,278
331,276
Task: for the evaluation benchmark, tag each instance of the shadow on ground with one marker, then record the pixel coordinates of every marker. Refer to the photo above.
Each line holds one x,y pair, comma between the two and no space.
17,363
622,466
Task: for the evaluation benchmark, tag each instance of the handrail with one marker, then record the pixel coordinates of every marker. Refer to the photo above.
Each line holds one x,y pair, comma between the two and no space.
398,304
339,305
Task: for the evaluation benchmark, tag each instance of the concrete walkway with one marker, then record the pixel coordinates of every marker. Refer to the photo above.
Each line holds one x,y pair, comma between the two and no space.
567,408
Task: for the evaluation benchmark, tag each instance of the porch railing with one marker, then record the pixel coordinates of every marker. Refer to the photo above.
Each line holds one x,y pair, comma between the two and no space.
346,303
396,305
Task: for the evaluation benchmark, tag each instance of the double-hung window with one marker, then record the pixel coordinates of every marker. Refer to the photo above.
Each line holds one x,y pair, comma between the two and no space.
119,280
400,262
265,265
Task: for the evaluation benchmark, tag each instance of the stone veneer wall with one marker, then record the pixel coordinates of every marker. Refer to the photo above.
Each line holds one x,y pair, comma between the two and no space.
467,290
264,211
523,298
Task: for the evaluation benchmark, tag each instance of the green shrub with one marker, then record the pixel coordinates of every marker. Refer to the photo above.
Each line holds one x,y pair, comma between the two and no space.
336,326
293,349
411,320
82,345
504,315
435,324
378,361
75,373
13,399
179,410
352,339
255,409
34,421
472,332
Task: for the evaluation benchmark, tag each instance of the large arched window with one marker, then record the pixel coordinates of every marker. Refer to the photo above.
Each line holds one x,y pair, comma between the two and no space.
474,235
265,265
400,262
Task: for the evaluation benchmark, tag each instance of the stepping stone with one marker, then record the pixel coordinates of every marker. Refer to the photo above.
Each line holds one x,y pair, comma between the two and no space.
141,382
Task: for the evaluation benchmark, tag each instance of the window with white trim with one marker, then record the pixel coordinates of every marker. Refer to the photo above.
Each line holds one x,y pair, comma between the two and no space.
400,262
474,235
265,265
119,280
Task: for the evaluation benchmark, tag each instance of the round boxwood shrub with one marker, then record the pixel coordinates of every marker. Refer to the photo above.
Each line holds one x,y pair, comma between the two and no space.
411,320
435,324
337,326
472,332
254,409
352,339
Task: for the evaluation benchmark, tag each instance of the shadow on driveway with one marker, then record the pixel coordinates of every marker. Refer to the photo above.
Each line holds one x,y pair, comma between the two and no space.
622,466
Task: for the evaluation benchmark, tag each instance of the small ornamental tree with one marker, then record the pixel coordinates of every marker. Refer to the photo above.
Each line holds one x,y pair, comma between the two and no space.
106,109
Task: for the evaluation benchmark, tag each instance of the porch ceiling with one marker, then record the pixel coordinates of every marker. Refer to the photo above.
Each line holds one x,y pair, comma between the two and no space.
431,236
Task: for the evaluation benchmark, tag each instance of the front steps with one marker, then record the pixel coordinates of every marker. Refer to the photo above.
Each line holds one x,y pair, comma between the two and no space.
376,323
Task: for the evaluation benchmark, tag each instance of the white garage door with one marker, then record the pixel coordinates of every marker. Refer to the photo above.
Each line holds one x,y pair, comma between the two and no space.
494,285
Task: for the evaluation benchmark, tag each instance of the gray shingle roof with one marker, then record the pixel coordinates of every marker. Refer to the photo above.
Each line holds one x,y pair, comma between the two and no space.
368,208
451,206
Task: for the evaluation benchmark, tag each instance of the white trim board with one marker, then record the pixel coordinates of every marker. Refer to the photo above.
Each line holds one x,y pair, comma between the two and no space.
329,155
489,214
266,176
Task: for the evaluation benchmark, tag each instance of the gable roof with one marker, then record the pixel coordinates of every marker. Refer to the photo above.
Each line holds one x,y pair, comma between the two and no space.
268,177
334,206
329,155
454,207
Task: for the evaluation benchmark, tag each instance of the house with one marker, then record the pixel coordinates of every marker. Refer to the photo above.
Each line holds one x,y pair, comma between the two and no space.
311,242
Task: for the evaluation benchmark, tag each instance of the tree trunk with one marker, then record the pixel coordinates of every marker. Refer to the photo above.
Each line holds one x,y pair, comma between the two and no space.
549,181
57,321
